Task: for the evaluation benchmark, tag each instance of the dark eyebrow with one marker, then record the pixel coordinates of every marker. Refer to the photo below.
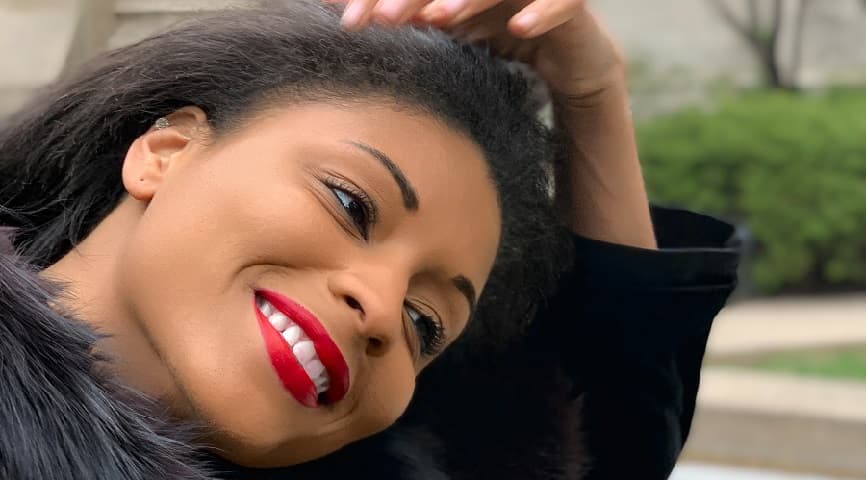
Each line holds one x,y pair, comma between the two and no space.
410,198
467,289
410,201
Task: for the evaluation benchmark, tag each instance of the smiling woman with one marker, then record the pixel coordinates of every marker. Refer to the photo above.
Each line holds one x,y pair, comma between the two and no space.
277,244
317,231
235,246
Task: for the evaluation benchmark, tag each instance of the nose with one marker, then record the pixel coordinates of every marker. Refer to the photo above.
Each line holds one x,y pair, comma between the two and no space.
375,298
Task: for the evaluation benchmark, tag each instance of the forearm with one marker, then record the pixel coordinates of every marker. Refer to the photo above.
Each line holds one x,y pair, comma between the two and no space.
600,190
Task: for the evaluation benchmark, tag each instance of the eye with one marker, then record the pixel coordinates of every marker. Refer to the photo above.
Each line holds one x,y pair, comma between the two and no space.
356,204
431,333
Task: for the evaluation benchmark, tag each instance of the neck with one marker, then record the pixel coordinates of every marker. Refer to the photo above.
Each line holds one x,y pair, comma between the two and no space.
89,276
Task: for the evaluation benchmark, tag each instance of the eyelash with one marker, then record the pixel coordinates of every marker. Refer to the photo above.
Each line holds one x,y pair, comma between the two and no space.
354,194
431,332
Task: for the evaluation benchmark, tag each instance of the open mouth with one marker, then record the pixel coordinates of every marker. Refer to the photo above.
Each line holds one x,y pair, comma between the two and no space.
305,358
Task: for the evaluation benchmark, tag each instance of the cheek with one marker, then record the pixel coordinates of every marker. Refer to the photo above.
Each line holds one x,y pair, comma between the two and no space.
182,273
217,220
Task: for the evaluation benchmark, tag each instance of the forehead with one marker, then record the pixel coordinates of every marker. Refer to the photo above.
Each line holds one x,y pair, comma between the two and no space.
458,216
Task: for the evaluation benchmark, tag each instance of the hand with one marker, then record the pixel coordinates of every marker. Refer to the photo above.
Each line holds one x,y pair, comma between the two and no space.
560,39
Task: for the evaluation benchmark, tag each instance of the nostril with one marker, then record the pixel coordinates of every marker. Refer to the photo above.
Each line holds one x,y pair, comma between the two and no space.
356,305
375,346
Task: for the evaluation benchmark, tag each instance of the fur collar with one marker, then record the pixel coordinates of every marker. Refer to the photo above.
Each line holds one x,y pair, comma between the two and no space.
63,417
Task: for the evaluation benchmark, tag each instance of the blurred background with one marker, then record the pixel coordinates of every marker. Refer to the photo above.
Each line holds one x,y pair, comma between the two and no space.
751,110
755,111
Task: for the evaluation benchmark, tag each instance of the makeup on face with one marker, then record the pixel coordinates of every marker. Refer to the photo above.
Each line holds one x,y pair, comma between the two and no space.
303,268
306,359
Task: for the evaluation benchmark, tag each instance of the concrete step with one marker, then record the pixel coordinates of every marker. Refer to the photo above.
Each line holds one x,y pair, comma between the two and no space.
776,421
692,471
779,324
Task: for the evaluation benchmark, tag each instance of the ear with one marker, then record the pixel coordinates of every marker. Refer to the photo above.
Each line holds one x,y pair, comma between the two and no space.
152,155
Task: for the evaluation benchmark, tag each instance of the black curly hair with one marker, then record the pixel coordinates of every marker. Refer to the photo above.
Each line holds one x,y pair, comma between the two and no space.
61,156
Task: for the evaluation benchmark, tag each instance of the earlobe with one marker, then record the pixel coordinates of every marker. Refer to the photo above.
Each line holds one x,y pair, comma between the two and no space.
152,155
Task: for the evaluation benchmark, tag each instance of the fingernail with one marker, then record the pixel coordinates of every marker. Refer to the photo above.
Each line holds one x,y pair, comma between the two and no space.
352,15
526,21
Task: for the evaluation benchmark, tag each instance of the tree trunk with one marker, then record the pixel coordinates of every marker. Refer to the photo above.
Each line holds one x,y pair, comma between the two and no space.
763,34
797,53
774,72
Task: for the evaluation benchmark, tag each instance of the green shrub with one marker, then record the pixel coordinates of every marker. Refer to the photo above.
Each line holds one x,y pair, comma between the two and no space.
791,167
843,363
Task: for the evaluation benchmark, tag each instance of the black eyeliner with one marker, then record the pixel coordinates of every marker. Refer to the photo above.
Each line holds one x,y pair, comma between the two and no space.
371,211
436,336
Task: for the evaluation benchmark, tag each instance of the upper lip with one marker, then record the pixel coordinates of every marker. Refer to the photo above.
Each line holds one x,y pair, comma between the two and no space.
326,349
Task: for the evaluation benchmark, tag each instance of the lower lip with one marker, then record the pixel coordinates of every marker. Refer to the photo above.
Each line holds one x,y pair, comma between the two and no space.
289,370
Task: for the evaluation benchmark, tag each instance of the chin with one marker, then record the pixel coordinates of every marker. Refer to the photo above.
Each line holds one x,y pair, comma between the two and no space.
269,441
255,454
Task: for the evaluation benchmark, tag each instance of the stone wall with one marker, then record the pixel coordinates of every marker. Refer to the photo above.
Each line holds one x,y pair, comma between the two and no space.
678,49
40,38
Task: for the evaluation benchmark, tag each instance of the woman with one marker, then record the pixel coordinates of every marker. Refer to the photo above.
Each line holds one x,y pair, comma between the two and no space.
613,360
201,241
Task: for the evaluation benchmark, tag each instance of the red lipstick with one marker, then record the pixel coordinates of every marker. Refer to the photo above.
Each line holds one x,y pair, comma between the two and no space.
289,370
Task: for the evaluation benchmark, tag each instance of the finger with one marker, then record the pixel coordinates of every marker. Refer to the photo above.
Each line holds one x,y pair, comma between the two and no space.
471,27
472,9
430,14
440,12
447,13
395,12
542,16
357,14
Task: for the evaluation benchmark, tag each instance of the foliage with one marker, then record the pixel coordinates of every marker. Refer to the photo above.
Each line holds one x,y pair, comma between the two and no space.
845,364
791,167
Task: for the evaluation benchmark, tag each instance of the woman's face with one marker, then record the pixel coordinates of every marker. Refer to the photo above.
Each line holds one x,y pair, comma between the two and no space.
293,278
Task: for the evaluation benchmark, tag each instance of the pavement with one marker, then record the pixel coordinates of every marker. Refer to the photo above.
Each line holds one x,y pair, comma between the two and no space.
783,394
716,472
765,325
774,420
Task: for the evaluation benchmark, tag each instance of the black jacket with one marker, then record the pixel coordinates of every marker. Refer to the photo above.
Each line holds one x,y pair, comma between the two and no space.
602,387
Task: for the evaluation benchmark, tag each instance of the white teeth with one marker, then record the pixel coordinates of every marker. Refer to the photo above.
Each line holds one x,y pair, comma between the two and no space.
322,384
314,368
293,334
267,309
304,351
302,346
279,321
316,371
